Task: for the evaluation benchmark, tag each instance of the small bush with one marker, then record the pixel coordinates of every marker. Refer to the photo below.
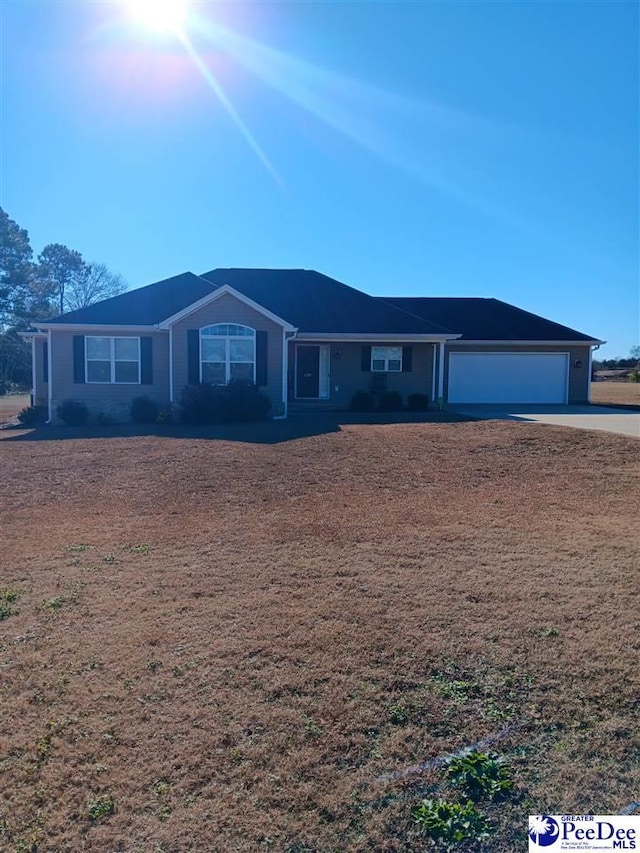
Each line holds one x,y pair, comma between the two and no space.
232,403
418,402
73,412
164,417
451,823
390,401
362,401
479,775
634,376
33,415
144,410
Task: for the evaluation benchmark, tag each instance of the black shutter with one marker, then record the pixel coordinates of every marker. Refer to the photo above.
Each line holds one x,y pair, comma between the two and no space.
45,361
146,361
78,359
261,358
407,353
365,363
193,356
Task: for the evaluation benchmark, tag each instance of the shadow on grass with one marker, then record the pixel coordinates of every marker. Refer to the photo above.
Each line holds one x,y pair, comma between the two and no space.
265,432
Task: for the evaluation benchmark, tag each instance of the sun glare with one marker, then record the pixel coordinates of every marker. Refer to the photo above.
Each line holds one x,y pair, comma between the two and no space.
161,16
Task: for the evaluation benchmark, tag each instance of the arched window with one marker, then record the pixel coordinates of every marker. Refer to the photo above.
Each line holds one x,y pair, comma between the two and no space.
227,353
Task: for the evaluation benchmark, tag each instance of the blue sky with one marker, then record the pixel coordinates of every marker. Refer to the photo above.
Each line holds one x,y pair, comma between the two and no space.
434,148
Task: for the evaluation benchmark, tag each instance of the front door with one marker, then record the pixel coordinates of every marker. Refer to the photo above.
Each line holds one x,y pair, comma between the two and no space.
308,372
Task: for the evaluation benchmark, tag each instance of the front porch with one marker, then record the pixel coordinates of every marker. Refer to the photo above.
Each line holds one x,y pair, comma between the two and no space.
324,375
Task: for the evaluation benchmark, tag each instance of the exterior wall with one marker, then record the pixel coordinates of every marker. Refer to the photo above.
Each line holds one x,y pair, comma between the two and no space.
347,376
578,376
112,400
228,309
40,393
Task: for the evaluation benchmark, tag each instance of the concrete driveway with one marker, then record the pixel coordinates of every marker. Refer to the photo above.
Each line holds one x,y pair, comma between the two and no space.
605,418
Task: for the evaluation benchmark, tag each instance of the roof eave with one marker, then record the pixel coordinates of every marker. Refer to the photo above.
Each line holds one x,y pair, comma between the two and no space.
530,341
376,337
97,327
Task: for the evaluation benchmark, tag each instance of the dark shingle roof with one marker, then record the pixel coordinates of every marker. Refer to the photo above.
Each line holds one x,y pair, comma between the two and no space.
306,299
481,319
313,302
316,303
144,306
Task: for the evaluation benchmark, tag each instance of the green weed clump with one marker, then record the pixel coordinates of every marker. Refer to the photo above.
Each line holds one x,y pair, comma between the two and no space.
451,823
7,598
100,807
480,775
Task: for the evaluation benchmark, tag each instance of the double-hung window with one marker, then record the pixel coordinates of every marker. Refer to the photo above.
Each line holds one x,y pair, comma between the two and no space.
227,353
113,360
386,359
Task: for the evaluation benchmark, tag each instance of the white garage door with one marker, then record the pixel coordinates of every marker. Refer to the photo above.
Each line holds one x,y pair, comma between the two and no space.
514,377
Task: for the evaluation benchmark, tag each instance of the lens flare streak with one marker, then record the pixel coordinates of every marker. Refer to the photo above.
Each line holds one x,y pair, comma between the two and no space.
228,106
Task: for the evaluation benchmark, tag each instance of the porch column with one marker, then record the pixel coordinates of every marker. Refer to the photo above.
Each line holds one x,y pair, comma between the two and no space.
50,375
441,371
33,371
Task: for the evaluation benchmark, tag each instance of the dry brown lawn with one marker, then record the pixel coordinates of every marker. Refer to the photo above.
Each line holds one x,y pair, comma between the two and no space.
616,393
11,404
228,645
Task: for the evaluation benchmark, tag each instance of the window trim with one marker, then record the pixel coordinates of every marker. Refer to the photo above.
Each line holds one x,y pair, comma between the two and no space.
386,368
112,360
227,342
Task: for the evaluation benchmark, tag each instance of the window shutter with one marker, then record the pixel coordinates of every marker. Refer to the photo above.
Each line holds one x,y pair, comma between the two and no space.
193,356
78,359
366,359
407,353
261,358
146,360
45,361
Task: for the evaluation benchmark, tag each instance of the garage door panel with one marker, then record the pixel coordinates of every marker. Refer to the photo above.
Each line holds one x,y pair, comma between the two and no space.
508,377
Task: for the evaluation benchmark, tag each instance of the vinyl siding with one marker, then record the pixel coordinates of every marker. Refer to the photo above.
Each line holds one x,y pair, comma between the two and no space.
228,309
112,400
578,376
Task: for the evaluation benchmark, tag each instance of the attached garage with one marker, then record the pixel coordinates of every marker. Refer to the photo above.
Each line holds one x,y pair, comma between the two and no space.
508,377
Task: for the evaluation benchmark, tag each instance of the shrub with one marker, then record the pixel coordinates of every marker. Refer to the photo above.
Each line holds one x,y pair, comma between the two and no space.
164,417
362,401
451,823
144,410
634,376
33,415
418,402
213,404
480,775
73,412
390,401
